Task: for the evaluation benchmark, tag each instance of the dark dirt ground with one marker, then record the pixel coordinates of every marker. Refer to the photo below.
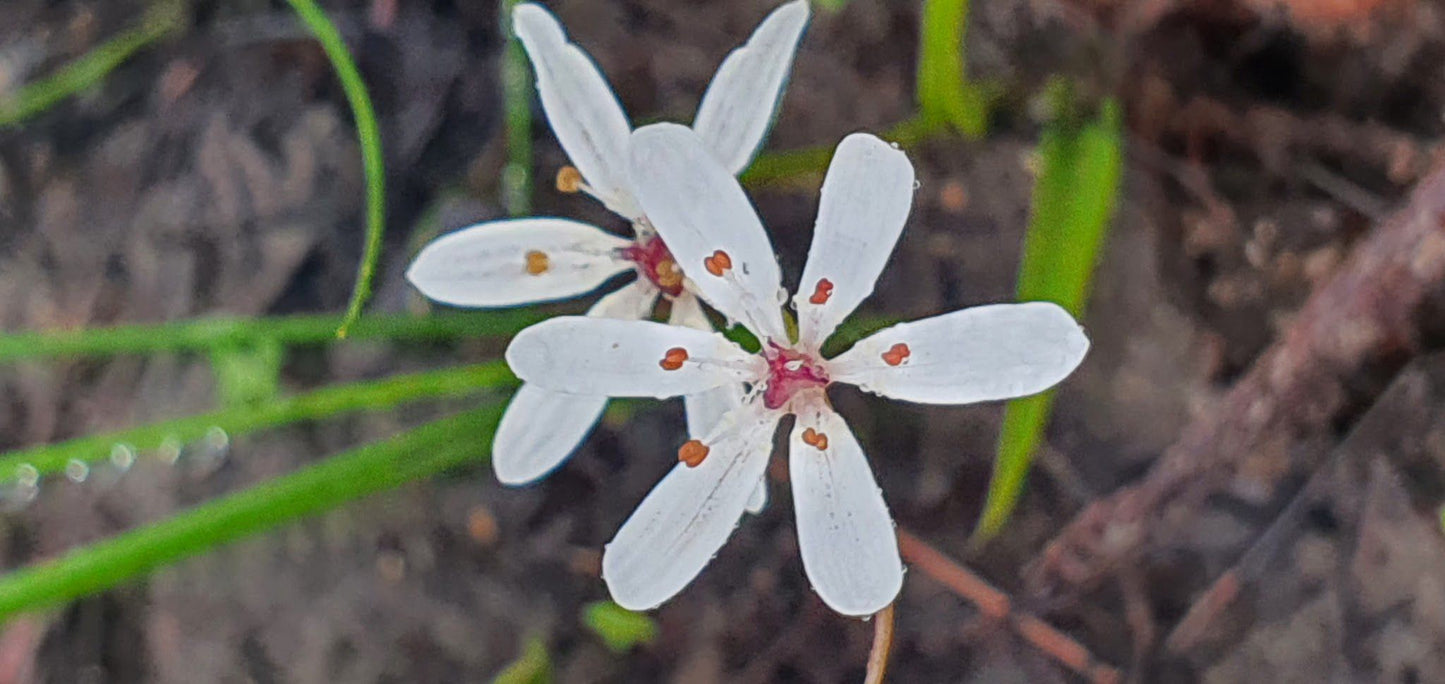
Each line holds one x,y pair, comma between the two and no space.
217,173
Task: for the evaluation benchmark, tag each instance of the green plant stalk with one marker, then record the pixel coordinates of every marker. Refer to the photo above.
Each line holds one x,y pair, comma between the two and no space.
159,21
517,98
619,628
208,334
374,395
1074,199
801,167
368,134
413,455
943,90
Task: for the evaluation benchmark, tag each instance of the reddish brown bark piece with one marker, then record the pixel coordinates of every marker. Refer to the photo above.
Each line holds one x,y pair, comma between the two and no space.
1363,317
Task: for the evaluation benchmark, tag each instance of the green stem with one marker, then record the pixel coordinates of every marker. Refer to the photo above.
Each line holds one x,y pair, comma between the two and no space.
204,335
801,167
369,136
517,105
413,455
160,20
944,91
375,395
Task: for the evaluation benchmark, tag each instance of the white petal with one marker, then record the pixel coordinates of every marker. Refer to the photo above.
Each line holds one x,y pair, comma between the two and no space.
865,201
584,112
587,355
983,353
541,428
698,208
703,409
845,534
487,264
631,302
738,108
759,499
688,516
539,431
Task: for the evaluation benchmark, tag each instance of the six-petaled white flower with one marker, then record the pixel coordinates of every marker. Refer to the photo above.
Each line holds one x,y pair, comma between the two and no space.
526,261
845,534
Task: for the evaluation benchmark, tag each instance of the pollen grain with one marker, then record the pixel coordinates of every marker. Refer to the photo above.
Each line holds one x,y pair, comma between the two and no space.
569,179
537,262
718,263
672,360
896,354
668,275
692,453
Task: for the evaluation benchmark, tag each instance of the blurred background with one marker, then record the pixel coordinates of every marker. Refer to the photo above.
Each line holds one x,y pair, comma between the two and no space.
1242,482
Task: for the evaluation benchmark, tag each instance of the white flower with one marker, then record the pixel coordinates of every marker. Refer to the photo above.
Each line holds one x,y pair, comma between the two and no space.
526,261
845,534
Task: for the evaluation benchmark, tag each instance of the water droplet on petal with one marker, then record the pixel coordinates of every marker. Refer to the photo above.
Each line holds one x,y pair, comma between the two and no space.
917,184
77,470
894,145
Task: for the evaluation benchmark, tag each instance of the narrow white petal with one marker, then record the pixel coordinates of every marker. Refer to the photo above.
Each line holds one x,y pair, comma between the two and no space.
689,515
541,428
865,201
523,261
983,353
587,355
539,431
845,534
699,209
739,105
703,409
759,499
631,302
584,112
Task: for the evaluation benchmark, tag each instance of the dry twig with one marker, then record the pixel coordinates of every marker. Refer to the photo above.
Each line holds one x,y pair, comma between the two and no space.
995,604
1364,318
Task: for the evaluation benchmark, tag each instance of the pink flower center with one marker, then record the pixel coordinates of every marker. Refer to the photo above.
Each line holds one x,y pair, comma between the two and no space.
790,372
655,263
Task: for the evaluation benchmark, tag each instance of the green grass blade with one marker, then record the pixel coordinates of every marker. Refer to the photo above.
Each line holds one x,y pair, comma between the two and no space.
159,21
1073,201
374,395
517,108
944,91
413,455
619,628
534,666
208,334
369,135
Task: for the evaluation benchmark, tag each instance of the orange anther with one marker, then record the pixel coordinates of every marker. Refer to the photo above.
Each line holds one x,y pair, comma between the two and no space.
673,359
569,179
822,292
692,453
815,439
718,262
537,262
896,354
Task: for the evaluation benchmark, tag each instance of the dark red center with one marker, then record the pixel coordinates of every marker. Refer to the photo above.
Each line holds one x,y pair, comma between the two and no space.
789,372
656,264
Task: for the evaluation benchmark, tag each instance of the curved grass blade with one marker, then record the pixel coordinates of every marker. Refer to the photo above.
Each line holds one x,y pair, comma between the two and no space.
377,467
369,135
